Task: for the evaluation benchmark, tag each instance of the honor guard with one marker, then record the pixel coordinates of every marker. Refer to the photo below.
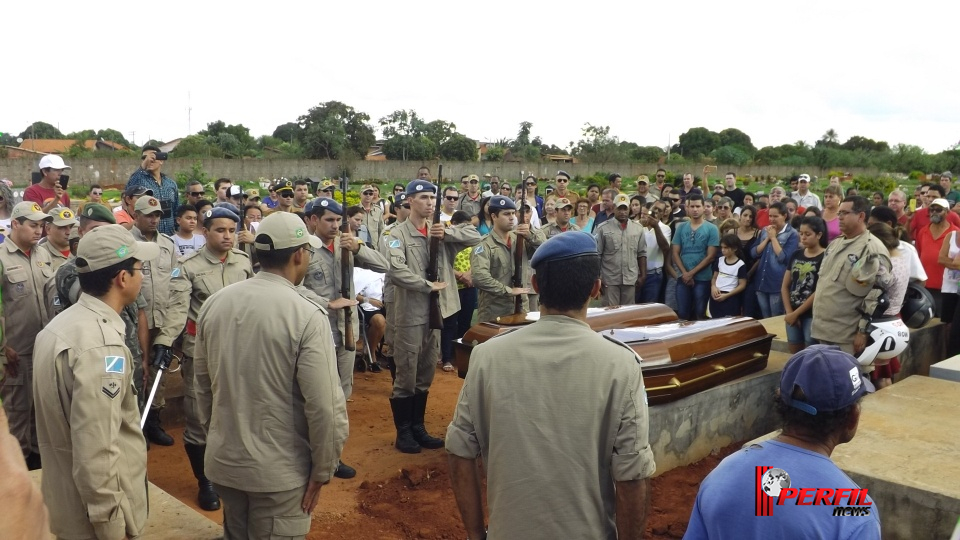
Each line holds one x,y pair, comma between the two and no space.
273,414
156,291
416,345
94,459
324,278
402,209
26,268
201,274
492,261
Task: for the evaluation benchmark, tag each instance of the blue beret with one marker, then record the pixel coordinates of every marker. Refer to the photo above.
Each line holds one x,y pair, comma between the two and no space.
401,198
220,212
326,203
228,206
565,246
499,202
420,186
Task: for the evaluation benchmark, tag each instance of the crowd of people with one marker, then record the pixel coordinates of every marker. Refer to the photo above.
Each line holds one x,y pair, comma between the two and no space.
168,275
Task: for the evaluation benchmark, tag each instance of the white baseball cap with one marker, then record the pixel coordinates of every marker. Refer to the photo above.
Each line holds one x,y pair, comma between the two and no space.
52,161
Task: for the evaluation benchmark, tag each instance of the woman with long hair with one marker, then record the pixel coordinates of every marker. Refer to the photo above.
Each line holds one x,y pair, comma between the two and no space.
896,291
748,233
252,214
390,215
533,200
832,196
636,207
484,224
583,219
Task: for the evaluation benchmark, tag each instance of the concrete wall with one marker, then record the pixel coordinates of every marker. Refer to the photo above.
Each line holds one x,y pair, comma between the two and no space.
106,171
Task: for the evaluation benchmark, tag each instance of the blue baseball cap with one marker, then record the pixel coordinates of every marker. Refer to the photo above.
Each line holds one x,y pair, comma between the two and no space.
829,378
220,212
325,203
420,186
564,246
499,202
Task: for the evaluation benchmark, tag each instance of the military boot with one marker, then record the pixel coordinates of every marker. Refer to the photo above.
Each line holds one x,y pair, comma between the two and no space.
153,432
207,497
419,431
402,409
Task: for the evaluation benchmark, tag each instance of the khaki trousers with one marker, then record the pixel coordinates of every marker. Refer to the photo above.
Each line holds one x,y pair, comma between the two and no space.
17,396
416,349
619,295
263,516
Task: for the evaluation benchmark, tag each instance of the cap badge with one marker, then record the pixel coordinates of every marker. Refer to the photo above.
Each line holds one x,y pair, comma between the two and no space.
324,203
122,251
299,233
208,213
419,188
35,207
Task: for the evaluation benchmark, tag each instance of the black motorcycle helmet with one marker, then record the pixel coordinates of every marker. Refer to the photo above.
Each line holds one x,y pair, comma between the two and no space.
917,307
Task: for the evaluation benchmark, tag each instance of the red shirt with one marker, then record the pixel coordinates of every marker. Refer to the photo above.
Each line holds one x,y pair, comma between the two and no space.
928,248
763,218
921,218
41,195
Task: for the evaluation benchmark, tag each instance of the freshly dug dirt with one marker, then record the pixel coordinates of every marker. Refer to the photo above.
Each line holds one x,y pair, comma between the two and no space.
401,496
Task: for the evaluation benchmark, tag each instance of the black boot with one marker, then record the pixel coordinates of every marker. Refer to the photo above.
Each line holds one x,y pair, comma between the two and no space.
153,432
402,408
419,431
344,471
33,461
207,497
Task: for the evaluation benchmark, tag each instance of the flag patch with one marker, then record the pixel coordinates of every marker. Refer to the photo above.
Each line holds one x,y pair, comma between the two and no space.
394,244
113,364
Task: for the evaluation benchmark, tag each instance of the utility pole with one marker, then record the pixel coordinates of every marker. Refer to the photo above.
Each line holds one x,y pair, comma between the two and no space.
189,111
133,138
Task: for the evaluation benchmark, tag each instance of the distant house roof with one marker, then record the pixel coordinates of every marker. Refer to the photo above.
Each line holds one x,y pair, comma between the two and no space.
59,146
171,145
375,153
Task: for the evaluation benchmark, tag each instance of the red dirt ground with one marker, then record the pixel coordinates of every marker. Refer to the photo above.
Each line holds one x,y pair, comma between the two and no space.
401,496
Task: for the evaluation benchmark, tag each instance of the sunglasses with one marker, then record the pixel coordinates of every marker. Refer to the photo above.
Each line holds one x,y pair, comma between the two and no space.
934,209
368,193
398,190
286,194
96,193
531,183
474,181
661,176
562,180
452,198
195,193
723,207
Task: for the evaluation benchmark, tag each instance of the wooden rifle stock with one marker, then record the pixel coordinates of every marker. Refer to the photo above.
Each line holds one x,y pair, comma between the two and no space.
433,270
518,258
346,276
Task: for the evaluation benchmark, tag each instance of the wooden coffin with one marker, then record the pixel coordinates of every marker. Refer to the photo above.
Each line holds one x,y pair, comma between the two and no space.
682,358
597,318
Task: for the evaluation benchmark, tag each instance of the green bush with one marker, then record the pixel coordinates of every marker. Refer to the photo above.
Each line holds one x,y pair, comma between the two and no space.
866,185
916,175
196,173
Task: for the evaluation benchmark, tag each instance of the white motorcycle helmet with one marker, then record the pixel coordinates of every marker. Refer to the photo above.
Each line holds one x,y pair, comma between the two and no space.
887,337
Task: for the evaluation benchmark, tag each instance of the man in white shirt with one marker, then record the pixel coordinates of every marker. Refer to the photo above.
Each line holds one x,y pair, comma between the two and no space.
657,236
803,195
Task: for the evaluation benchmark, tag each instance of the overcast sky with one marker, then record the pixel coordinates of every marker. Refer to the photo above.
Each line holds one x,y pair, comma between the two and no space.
649,70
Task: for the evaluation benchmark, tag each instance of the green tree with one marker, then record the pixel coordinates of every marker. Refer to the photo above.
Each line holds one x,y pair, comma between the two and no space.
8,139
829,139
495,152
233,140
597,145
730,155
735,137
697,142
41,130
523,136
83,135
334,130
401,122
113,135
415,147
196,146
863,143
459,148
439,131
289,132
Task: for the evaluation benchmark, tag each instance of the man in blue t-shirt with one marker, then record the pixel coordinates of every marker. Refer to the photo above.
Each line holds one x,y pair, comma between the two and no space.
695,246
819,404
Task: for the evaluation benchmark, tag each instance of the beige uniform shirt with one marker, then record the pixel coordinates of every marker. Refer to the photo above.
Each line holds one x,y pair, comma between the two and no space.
268,390
88,425
836,311
23,307
552,229
620,249
324,279
552,457
383,249
156,279
468,204
201,274
492,268
57,258
373,219
409,251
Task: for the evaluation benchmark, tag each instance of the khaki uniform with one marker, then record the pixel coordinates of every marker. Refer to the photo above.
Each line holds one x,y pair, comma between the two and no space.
531,435
324,279
620,250
24,315
156,291
416,346
570,196
388,289
837,311
492,269
270,403
373,220
57,258
94,454
201,275
552,229
63,291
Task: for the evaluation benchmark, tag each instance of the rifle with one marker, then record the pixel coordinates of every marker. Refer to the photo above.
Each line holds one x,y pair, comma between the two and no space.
518,252
433,271
346,274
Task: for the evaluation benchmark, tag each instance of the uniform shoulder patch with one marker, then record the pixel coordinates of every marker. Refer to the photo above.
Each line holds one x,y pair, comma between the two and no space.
175,273
113,364
479,250
110,386
394,244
